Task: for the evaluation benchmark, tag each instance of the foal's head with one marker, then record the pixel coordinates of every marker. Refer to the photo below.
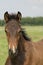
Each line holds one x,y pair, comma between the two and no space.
12,30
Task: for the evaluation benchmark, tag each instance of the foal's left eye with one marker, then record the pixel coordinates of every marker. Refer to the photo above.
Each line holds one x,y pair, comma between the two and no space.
19,31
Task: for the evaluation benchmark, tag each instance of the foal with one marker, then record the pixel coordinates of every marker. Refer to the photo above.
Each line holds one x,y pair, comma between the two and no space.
22,51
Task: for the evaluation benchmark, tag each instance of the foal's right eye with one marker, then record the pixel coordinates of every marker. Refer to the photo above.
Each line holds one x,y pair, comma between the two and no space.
5,31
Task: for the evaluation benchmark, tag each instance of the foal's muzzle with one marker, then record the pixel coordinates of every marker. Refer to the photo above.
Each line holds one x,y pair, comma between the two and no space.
13,53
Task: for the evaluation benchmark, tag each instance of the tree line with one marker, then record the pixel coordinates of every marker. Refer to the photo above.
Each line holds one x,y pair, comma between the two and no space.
28,21
32,21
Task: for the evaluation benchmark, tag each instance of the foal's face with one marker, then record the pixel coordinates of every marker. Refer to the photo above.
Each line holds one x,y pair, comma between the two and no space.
12,30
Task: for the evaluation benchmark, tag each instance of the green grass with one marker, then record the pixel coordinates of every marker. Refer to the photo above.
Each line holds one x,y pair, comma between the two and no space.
34,32
3,46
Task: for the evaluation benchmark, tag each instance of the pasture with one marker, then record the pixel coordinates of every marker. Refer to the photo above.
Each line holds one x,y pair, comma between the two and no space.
34,32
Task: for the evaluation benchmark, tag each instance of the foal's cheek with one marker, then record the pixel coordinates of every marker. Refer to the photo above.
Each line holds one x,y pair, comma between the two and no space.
18,37
8,36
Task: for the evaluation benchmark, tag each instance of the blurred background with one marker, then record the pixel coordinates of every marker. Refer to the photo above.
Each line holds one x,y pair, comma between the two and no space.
32,21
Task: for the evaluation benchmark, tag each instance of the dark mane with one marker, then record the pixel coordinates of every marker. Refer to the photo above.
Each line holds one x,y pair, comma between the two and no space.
12,16
25,35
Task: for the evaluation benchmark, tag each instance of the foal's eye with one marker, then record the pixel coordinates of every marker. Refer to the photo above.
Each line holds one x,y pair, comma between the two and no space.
19,31
5,31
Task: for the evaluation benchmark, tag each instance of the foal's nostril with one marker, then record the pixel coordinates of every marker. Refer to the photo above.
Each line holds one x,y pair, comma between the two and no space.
10,51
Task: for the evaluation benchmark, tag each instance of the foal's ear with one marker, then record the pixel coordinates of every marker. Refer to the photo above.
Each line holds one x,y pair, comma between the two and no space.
19,16
6,17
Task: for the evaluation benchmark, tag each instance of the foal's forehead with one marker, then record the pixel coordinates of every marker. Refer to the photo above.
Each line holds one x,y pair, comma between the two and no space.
12,24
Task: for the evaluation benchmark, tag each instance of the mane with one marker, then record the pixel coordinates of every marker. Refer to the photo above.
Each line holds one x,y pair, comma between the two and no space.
12,16
25,35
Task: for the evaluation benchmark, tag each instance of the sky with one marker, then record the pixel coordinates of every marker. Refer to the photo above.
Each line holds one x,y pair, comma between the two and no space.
30,8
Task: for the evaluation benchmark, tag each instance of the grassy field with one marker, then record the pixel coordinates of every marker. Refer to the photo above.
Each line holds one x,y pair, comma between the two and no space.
34,32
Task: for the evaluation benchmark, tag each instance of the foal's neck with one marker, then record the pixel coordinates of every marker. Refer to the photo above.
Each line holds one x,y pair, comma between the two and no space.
21,44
